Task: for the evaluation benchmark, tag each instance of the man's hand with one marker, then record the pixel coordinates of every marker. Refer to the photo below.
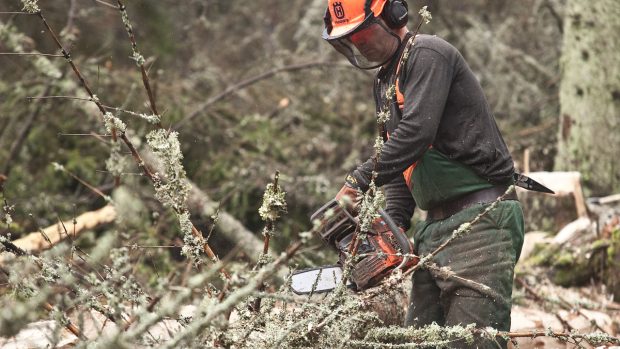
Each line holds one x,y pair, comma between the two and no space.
349,197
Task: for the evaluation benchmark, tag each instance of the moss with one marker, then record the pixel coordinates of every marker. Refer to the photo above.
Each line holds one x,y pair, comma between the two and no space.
571,274
611,276
563,259
542,255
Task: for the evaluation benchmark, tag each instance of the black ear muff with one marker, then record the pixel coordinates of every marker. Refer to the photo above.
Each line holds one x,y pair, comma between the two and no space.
395,14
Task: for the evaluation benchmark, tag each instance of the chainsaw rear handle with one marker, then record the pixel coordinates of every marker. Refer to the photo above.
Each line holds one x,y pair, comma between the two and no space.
401,238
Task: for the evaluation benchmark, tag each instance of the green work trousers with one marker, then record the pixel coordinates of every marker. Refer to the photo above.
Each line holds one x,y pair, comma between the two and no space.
486,254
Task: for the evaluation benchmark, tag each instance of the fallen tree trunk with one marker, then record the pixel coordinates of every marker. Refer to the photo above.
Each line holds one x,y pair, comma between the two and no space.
50,236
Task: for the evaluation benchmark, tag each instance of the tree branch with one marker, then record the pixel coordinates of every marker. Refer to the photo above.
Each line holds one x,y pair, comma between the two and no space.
245,83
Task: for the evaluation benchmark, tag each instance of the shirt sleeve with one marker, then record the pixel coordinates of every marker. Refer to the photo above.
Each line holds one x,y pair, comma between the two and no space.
399,202
427,85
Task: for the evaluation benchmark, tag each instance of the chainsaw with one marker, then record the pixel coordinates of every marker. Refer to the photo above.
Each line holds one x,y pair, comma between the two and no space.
386,248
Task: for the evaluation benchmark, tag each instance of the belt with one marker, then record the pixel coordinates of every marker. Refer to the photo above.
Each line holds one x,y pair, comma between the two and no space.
482,196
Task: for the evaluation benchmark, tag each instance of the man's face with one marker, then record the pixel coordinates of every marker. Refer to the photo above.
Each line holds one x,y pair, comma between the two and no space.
375,42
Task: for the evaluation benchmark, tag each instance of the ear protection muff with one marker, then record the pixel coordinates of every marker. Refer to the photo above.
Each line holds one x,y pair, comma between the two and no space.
395,14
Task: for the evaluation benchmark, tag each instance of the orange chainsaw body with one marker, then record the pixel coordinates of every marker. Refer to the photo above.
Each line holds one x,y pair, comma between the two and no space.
377,255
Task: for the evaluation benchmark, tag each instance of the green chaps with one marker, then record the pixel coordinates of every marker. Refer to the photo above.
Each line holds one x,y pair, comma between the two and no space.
486,255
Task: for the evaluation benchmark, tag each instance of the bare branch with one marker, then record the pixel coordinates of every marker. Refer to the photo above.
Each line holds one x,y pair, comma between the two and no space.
29,54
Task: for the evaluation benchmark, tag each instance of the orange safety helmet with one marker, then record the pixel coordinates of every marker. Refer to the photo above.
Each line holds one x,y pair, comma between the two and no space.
343,17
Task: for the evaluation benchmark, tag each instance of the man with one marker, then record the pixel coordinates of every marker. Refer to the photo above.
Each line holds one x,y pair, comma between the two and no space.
442,151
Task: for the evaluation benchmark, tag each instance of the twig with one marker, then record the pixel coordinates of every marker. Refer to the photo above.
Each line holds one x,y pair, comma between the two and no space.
255,306
149,307
155,246
47,306
581,313
69,60
106,4
30,54
133,113
83,135
139,59
563,304
23,133
84,183
591,338
445,273
71,327
542,300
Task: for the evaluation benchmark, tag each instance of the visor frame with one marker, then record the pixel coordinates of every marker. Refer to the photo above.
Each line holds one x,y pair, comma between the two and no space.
367,22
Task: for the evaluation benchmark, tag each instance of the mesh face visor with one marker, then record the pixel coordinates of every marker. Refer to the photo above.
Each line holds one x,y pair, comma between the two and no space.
367,46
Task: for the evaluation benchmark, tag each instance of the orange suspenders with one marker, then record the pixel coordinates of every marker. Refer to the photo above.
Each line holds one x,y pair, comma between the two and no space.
400,99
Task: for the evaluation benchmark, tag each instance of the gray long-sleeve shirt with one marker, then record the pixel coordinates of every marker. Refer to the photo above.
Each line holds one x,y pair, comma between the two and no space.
444,106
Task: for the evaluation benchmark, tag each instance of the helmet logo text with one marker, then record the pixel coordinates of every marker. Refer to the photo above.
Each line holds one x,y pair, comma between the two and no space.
338,10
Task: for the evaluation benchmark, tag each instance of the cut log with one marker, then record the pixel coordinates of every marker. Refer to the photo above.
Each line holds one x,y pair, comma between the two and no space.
545,212
391,307
575,229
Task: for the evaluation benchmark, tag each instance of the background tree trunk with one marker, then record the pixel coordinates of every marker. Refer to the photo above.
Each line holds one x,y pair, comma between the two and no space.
589,140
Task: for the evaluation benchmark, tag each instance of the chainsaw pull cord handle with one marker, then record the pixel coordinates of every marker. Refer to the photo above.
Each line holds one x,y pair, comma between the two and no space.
401,238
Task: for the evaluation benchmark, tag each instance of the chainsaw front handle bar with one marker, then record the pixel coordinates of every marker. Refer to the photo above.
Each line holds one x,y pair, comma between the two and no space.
401,238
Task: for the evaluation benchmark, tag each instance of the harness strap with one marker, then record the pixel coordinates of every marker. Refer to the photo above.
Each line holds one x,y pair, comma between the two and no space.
400,100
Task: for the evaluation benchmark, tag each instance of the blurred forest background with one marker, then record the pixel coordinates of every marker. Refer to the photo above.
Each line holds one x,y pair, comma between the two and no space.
251,88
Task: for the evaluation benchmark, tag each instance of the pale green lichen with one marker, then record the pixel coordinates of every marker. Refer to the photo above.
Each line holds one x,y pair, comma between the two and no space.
390,92
58,167
135,55
383,116
274,203
6,214
138,58
31,6
151,118
463,228
426,15
117,162
112,123
431,335
171,187
372,201
52,269
192,244
378,146
407,51
7,219
600,338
